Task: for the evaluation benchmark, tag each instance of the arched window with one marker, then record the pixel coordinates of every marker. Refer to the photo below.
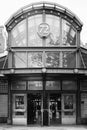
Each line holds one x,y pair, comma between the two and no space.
18,35
68,34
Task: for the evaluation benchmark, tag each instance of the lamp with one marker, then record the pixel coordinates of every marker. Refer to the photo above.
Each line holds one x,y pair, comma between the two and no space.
76,71
12,71
43,70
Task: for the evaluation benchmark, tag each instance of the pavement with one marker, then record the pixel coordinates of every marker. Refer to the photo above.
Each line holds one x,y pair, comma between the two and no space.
11,127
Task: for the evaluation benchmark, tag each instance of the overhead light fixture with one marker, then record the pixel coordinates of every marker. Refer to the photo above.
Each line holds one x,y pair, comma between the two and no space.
76,71
12,71
43,70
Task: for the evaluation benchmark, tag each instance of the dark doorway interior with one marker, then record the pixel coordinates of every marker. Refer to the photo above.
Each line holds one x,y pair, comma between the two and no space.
45,109
55,109
34,108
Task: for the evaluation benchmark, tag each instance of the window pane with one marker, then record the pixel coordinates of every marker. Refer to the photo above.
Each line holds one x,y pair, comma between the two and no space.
83,85
4,105
33,37
69,85
68,102
52,85
35,85
61,59
52,59
20,60
18,85
84,105
19,105
54,37
69,59
18,35
3,86
68,34
35,59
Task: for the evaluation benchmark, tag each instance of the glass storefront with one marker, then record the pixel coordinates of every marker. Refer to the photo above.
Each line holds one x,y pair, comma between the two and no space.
28,109
38,107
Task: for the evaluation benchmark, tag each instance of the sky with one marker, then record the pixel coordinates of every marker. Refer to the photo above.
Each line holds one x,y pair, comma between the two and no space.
78,7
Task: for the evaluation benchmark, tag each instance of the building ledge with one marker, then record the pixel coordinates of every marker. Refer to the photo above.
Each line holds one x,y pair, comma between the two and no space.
13,71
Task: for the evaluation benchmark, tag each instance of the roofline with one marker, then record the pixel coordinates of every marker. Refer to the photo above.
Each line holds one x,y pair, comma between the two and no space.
41,5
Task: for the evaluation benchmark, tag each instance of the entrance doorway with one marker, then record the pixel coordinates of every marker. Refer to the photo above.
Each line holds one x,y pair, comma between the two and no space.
19,113
34,106
69,109
54,109
50,109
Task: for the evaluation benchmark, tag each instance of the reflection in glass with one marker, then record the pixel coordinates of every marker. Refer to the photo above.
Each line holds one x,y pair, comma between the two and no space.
18,35
62,59
52,85
34,113
69,59
68,34
18,85
35,85
20,59
68,101
69,85
84,105
55,108
54,37
35,59
52,59
19,105
83,85
33,37
19,102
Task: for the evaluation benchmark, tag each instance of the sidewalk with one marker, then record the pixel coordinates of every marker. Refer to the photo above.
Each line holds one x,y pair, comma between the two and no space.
77,127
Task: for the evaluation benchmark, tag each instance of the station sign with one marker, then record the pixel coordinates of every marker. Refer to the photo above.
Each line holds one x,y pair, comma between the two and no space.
43,30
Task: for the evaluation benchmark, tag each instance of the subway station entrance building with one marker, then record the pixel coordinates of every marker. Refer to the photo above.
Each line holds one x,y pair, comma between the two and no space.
43,78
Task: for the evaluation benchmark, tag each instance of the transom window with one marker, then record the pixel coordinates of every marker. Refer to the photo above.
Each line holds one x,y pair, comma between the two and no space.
49,59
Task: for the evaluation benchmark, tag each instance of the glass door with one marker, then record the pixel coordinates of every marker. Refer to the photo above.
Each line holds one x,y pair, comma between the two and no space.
54,109
19,115
68,109
34,107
